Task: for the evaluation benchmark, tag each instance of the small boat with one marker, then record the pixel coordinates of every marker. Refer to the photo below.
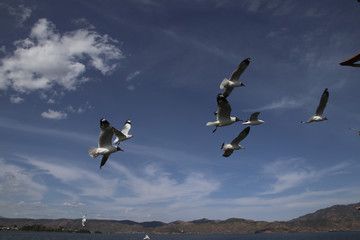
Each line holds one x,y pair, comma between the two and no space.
147,237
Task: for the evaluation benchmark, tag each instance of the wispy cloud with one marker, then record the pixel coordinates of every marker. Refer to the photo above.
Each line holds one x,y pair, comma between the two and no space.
284,102
15,180
18,126
291,173
21,13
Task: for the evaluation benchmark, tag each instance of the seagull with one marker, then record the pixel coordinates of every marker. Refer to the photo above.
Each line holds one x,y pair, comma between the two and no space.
83,220
229,84
234,145
352,61
253,120
318,117
123,134
358,131
222,113
105,147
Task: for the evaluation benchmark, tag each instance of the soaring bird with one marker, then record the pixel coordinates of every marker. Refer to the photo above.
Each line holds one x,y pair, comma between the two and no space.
223,113
352,61
229,84
83,220
123,134
318,117
253,120
105,147
234,145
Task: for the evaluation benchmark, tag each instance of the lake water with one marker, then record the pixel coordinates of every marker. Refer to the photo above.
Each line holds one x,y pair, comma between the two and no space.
9,235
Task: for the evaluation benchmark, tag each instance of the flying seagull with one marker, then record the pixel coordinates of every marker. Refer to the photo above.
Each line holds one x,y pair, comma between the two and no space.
358,131
123,134
234,145
253,120
318,117
229,84
83,220
223,113
105,147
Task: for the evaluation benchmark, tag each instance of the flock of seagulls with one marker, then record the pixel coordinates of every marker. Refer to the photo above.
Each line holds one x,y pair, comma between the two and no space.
223,118
223,113
105,146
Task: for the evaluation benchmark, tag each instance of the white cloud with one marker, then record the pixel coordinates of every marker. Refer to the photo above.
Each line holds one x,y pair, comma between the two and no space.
131,76
16,99
73,205
51,114
48,59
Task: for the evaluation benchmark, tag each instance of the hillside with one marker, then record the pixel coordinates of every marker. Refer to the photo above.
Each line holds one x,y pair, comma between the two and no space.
335,218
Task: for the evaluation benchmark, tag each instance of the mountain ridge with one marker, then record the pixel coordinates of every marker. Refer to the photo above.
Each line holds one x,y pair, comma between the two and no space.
334,218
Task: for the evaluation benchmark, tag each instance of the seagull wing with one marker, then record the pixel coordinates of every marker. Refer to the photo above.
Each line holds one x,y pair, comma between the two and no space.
126,128
323,102
240,69
224,108
104,159
228,152
119,134
241,136
106,133
254,116
351,60
227,91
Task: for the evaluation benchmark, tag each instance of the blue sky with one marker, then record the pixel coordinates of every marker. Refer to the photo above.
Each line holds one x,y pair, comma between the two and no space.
66,64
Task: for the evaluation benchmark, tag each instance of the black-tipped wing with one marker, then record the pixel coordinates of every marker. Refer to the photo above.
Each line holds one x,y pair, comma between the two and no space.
240,69
254,116
224,108
103,160
241,136
351,60
106,133
228,152
323,102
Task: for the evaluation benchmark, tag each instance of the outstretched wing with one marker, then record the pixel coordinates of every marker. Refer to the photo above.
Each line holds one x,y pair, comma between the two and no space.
323,102
103,160
126,128
240,69
228,152
351,60
106,133
254,116
241,136
224,108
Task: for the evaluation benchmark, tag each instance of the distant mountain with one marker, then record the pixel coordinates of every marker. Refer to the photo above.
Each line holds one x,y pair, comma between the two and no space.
335,218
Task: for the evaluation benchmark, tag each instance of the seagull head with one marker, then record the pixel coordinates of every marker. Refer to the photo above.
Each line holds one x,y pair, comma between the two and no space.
119,149
242,85
238,120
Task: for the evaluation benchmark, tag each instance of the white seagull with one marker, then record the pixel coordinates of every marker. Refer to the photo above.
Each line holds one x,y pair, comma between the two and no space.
234,145
222,113
105,147
318,117
83,220
123,134
229,84
253,120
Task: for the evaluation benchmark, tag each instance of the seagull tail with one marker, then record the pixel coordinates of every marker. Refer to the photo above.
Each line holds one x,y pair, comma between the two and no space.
224,83
92,152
